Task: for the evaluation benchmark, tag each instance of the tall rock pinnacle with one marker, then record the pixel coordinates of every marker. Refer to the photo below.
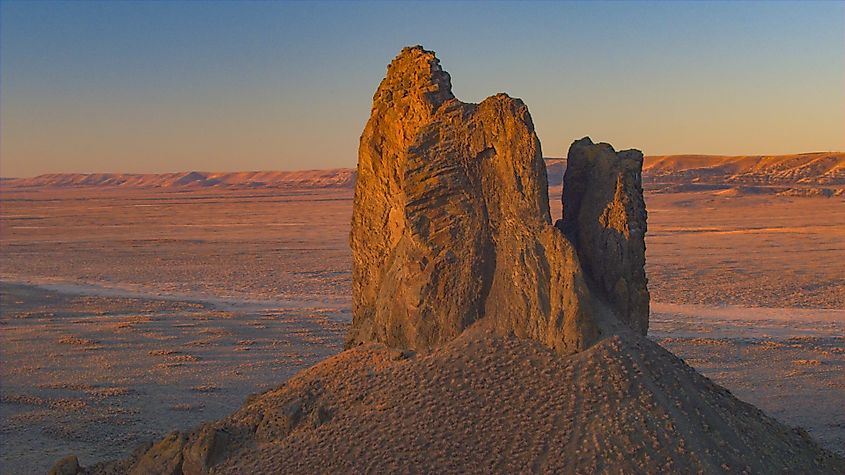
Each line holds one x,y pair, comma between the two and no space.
605,217
451,225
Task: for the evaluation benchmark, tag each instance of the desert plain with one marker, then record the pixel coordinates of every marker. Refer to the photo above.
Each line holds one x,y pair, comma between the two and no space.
131,311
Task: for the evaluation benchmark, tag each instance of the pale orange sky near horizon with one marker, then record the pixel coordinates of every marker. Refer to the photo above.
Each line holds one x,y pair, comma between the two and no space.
163,87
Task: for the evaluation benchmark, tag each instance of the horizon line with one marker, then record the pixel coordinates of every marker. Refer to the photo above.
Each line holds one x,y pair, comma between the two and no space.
545,158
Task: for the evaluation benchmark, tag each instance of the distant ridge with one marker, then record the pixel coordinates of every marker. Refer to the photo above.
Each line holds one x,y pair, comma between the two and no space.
815,168
661,172
819,174
328,178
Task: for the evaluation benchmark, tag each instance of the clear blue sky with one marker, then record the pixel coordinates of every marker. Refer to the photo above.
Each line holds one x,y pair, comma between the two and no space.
164,86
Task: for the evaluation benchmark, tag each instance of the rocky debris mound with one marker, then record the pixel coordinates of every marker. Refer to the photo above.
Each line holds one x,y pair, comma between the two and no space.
484,403
451,223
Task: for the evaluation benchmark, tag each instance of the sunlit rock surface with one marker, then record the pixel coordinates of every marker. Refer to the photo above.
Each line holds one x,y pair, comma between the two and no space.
451,224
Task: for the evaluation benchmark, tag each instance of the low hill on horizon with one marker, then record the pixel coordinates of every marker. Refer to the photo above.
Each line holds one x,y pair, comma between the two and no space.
813,168
332,177
735,174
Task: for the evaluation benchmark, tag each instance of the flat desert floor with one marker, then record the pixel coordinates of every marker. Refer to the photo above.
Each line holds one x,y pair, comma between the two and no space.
126,314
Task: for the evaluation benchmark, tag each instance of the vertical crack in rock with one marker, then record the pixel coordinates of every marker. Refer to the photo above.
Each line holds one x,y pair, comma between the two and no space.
451,225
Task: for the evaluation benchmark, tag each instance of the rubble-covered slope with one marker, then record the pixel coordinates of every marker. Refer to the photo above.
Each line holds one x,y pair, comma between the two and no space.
490,404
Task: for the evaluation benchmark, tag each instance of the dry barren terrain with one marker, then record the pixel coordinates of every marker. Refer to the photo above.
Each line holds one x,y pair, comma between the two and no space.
129,312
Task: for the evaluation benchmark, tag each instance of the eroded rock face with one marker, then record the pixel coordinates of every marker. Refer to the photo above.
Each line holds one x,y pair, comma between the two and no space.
604,215
451,223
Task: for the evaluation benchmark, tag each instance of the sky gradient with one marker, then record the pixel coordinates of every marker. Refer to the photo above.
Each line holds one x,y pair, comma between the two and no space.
169,86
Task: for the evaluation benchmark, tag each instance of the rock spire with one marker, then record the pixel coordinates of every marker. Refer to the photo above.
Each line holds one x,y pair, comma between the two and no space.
451,225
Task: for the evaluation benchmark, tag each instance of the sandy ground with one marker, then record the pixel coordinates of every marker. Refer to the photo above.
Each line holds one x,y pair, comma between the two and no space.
127,314
268,245
98,375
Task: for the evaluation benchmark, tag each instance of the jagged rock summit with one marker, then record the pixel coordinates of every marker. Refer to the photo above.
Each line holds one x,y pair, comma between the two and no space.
456,257
451,223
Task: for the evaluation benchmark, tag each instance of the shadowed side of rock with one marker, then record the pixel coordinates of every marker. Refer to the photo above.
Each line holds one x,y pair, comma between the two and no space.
604,215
